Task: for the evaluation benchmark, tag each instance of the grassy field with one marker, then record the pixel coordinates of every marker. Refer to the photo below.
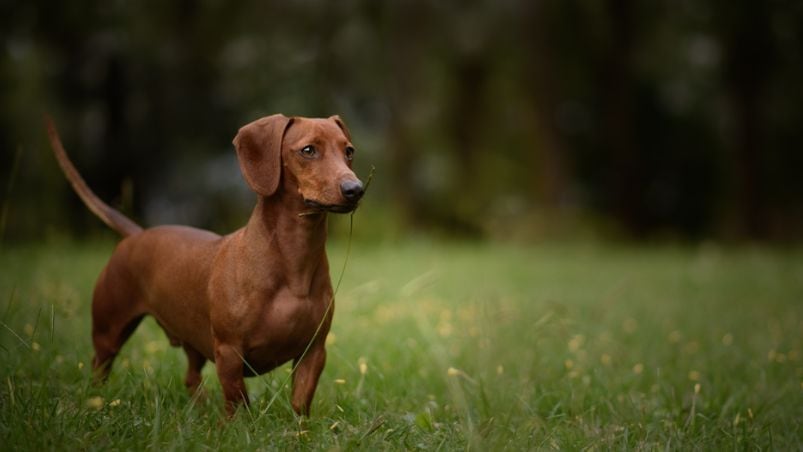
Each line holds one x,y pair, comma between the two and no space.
442,346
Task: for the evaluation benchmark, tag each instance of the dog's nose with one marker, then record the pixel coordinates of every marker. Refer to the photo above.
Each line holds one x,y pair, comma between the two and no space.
352,190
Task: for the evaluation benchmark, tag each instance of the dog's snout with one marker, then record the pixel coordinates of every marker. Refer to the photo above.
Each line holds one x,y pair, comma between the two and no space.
352,190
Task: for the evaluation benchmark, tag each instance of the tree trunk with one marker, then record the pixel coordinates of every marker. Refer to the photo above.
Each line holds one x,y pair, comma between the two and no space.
748,56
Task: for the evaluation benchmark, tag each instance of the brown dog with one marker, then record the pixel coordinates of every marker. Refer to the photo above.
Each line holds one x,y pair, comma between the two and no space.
248,301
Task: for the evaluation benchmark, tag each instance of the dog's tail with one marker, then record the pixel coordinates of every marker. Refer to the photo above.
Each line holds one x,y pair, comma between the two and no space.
114,219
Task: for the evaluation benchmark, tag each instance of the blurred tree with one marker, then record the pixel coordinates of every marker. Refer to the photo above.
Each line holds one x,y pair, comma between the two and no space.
543,87
748,57
673,118
617,88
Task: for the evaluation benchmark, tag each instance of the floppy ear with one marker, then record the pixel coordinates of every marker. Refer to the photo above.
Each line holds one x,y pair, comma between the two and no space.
259,150
342,125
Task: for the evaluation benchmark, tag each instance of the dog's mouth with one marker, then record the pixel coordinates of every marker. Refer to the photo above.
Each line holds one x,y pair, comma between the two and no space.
317,207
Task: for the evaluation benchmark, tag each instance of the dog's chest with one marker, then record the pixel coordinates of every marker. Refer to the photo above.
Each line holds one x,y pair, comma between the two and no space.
283,328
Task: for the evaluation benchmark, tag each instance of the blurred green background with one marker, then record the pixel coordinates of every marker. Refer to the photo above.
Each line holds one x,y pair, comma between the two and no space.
506,120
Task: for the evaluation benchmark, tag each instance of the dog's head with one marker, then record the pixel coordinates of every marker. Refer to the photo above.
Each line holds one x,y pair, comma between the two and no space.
309,155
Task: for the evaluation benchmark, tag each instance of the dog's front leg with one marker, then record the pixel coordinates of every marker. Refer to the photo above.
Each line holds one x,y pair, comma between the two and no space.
229,364
305,378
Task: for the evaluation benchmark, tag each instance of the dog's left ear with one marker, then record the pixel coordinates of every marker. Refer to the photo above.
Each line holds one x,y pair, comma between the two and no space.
342,125
259,150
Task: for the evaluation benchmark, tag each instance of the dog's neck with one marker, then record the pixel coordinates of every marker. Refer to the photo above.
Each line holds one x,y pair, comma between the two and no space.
280,234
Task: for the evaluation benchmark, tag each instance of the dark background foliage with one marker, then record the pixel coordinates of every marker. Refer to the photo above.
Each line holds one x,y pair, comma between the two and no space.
493,119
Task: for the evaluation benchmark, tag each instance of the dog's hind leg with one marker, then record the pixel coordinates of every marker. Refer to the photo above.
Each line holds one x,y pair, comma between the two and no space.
195,362
115,316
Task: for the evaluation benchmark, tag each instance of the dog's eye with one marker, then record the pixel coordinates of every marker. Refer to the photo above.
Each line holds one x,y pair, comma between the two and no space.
349,153
308,151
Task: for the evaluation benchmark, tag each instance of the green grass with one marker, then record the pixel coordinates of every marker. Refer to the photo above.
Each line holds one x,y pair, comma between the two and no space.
485,347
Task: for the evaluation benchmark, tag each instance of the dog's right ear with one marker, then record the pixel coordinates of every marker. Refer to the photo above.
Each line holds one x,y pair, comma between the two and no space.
259,150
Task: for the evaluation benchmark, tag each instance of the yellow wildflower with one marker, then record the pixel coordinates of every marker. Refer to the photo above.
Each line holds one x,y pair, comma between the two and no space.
630,325
576,342
95,402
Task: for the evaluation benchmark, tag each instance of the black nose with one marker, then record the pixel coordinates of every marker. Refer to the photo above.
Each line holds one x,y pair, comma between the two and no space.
352,190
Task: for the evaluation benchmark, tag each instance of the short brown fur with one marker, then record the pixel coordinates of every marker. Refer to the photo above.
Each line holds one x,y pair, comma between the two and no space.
256,295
